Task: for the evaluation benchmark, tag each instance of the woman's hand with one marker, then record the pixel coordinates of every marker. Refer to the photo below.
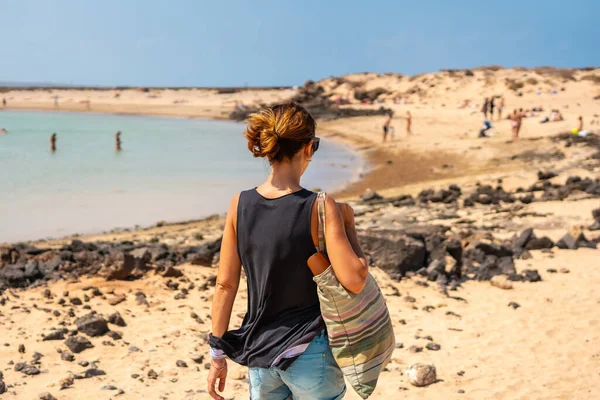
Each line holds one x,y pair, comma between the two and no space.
218,371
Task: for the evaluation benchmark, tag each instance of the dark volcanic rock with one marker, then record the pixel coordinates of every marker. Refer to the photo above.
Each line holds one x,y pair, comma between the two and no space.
171,272
455,249
30,370
19,366
114,335
433,346
92,372
394,251
55,335
523,238
572,243
92,324
77,344
140,299
493,266
372,196
544,175
531,275
539,243
67,356
14,275
203,255
494,249
76,301
116,319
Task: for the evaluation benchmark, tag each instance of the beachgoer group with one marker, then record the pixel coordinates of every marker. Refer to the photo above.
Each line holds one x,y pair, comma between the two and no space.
489,104
54,137
388,129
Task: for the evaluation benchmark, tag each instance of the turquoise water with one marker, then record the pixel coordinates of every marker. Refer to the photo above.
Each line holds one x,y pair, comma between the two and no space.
170,169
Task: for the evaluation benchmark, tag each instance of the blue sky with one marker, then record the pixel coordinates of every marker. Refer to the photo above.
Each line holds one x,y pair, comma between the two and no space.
233,43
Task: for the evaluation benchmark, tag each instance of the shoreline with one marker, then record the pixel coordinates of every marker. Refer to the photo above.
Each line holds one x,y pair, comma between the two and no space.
342,185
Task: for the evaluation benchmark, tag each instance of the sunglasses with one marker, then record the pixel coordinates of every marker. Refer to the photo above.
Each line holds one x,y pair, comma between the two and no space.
315,144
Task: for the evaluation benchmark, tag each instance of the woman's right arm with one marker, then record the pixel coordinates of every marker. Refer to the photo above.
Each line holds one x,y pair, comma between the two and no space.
348,263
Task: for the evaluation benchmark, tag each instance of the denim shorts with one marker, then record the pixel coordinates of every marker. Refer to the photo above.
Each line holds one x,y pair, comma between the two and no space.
313,376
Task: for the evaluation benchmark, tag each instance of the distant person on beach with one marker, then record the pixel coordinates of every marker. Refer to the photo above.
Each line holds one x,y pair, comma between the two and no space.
118,141
53,142
271,231
492,108
500,107
579,130
516,119
485,107
3,102
55,101
408,123
386,126
486,127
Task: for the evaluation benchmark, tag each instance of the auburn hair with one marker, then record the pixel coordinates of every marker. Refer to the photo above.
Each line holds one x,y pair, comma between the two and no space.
280,131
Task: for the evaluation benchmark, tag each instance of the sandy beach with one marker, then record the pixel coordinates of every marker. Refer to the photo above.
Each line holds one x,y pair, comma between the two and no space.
493,328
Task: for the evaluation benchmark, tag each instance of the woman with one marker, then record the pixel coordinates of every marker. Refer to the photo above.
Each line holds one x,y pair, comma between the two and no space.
272,231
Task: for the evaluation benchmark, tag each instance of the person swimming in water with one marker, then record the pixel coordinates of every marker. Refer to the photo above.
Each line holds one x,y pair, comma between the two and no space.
118,141
3,131
53,142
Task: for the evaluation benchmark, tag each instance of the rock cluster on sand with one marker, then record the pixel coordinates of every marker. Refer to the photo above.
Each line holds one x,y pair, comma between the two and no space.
312,96
23,265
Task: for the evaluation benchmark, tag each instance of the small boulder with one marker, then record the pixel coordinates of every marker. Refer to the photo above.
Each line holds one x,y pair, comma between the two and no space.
540,243
67,356
116,319
421,374
77,344
92,324
55,335
92,372
30,370
502,282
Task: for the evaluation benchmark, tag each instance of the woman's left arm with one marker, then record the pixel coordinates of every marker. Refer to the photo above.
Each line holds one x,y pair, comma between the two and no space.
228,281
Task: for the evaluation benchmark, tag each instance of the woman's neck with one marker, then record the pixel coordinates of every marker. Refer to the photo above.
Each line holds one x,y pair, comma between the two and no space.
284,177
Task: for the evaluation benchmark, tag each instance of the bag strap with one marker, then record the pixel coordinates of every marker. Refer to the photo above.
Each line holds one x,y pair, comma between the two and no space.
321,215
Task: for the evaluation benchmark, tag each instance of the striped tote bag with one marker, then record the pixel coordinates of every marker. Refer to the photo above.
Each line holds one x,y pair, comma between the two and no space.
360,331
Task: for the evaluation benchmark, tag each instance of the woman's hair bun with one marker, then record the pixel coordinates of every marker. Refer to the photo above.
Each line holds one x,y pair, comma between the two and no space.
279,132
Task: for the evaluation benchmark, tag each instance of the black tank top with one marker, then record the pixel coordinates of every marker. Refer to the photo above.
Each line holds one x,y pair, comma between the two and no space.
274,243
